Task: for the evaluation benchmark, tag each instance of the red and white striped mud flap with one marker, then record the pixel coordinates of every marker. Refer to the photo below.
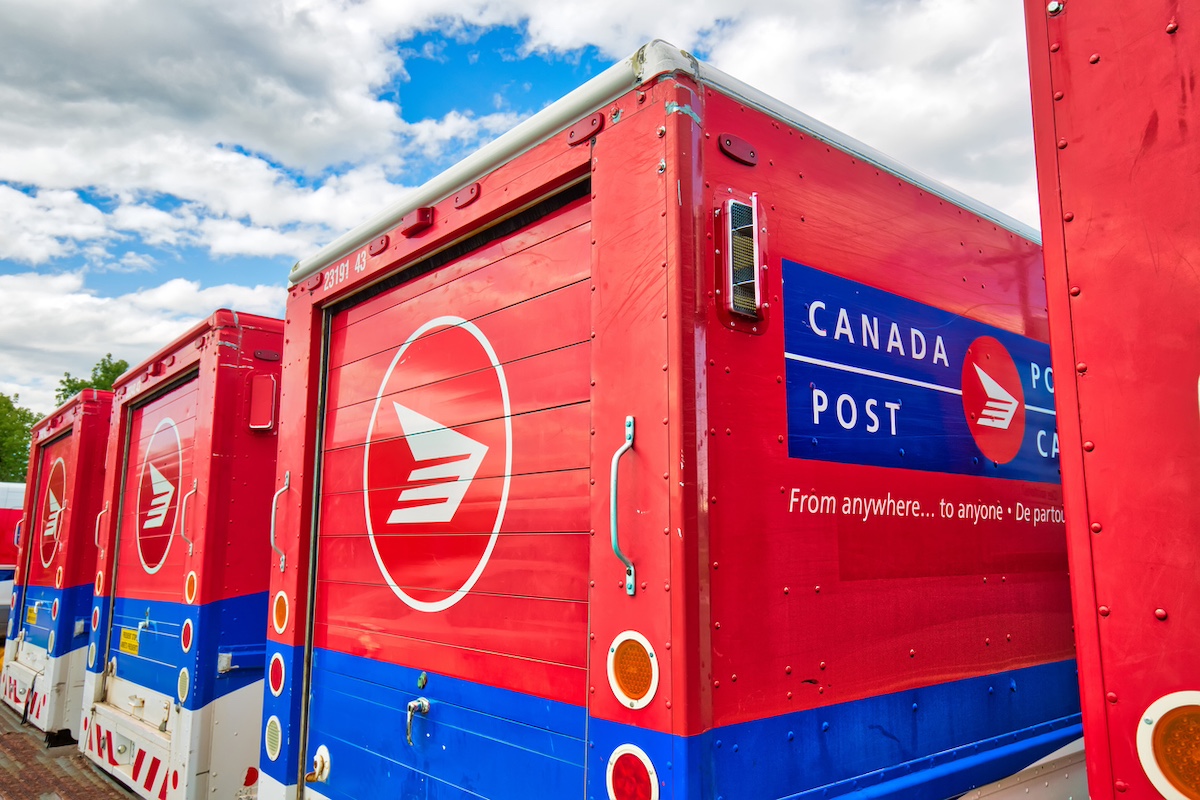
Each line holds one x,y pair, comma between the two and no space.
148,772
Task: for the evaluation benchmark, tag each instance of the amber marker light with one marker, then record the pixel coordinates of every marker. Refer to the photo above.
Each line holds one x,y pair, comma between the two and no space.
632,669
1168,744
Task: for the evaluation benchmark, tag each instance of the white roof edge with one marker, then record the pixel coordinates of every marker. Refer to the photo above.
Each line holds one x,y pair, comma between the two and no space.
650,61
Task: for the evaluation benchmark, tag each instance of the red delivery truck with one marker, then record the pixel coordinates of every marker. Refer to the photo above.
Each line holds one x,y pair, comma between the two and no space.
1115,120
672,445
12,503
175,660
48,631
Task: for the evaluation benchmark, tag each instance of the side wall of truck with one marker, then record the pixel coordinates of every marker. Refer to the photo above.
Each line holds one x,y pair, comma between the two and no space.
886,572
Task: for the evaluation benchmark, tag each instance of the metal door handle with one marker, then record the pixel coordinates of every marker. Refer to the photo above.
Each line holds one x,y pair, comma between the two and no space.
287,481
17,532
183,517
612,507
418,706
320,770
103,511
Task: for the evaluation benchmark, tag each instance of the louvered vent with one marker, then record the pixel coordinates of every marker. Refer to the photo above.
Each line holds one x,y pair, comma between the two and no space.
741,259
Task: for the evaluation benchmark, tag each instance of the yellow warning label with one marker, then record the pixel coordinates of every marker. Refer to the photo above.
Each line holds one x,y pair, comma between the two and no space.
129,641
31,615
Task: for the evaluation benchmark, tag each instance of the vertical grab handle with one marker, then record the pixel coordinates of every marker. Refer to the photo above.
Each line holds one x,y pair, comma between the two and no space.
287,481
17,532
612,506
183,517
418,706
100,516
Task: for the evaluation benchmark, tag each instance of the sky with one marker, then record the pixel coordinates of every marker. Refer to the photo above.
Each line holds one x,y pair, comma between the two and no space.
161,160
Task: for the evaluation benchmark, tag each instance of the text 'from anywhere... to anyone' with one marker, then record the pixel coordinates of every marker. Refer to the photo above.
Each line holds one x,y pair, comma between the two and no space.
864,508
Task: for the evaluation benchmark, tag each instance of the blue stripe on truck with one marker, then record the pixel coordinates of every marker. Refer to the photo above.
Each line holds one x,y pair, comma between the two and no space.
484,741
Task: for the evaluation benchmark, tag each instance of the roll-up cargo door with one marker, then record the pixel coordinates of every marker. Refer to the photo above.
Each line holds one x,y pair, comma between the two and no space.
43,540
449,639
154,572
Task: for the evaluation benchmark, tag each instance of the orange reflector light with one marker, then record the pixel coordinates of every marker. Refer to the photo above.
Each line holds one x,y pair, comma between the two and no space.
280,612
1176,744
632,669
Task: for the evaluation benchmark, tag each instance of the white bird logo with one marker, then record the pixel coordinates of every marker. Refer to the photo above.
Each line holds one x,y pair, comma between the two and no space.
51,529
459,459
1001,406
164,490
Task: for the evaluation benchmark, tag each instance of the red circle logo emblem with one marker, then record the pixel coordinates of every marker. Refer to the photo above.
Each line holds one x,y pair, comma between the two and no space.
437,463
54,506
158,495
993,400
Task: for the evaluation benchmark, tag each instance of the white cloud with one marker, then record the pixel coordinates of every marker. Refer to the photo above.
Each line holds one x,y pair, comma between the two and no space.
54,324
37,227
258,129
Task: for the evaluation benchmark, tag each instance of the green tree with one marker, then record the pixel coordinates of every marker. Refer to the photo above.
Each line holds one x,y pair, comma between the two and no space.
15,424
103,375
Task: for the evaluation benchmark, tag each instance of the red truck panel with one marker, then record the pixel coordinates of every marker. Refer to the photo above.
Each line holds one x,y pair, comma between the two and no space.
1115,116
158,476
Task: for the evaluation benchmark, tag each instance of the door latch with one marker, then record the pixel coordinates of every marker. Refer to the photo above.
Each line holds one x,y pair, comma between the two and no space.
418,706
320,770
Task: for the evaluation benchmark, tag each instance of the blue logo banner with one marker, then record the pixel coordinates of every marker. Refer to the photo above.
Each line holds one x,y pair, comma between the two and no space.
877,379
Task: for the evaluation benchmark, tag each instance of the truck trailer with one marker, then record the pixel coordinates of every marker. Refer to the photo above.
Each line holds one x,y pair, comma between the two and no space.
672,445
173,687
43,673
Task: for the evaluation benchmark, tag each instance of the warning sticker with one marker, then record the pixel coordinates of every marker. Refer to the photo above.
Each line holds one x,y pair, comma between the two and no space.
31,615
129,641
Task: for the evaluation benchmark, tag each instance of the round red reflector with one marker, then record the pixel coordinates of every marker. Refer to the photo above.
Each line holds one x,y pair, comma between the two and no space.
175,779
251,777
185,636
96,618
276,674
630,778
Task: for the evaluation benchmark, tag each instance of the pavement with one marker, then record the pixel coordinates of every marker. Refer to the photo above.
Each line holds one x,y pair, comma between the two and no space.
31,771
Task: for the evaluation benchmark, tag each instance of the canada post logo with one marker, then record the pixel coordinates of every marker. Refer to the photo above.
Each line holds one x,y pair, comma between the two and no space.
437,463
878,379
993,400
158,494
54,505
